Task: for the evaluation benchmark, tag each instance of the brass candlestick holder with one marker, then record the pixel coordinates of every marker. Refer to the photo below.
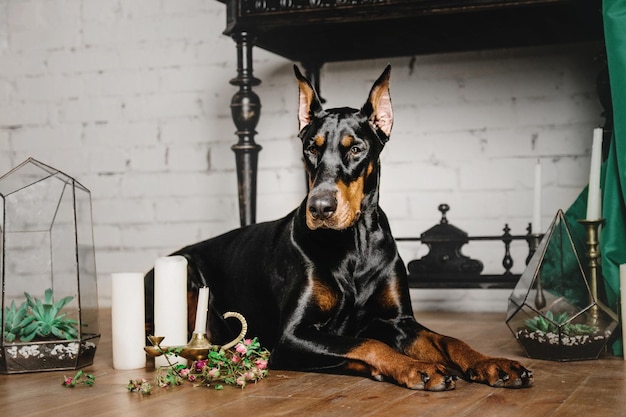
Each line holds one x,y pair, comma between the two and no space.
199,346
533,243
592,228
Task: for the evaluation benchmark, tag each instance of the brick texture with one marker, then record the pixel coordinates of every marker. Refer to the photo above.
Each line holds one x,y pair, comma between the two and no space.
132,99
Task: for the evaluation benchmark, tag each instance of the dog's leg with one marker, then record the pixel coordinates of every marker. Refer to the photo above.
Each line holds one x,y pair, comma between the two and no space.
380,361
425,346
319,351
474,366
405,334
411,338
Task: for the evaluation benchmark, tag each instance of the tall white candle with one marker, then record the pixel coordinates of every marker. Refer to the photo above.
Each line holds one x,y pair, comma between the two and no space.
202,310
536,221
170,303
128,320
594,211
622,281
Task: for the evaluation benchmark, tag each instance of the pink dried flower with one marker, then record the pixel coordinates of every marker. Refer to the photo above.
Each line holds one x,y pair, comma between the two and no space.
199,365
241,349
261,363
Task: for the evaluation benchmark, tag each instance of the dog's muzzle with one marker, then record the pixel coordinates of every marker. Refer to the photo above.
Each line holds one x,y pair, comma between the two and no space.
325,211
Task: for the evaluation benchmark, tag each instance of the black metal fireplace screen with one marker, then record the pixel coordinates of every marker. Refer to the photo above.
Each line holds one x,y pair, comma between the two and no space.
445,266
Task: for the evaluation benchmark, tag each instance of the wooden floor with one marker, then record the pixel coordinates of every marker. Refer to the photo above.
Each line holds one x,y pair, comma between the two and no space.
590,388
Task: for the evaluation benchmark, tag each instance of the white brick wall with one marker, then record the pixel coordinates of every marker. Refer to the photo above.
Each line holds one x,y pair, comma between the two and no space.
132,98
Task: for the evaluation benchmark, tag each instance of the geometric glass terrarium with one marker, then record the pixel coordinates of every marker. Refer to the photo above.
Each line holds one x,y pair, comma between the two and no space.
553,312
49,315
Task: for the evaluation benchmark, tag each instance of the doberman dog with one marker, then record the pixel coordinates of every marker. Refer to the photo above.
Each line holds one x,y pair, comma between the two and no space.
324,288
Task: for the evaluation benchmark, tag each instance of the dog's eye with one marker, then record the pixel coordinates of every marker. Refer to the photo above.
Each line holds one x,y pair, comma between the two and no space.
312,149
355,150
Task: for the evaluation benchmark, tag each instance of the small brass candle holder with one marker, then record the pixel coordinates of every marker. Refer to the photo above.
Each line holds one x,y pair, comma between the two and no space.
592,228
199,346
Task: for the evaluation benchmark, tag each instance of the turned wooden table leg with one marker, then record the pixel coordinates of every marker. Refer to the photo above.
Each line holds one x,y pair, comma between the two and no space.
245,109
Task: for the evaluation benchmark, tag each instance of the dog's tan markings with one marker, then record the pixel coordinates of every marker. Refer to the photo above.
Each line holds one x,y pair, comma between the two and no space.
370,169
349,199
430,346
388,297
347,141
324,297
319,141
499,372
383,361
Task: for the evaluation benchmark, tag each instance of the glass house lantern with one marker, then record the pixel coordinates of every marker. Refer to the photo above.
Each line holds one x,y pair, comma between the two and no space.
48,272
553,312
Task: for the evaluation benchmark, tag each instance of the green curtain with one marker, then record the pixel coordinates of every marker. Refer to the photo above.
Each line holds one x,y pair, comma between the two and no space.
613,176
613,235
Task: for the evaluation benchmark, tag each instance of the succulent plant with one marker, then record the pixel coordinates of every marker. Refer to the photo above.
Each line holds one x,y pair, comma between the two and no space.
14,318
45,319
553,324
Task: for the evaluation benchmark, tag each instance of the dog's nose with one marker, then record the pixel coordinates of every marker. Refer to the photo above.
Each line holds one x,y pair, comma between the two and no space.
322,206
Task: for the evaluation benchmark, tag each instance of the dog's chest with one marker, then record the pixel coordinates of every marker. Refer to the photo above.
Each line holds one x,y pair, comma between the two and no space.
343,300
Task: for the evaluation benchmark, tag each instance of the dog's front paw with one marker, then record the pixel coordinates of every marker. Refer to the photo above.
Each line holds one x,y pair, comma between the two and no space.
427,376
501,373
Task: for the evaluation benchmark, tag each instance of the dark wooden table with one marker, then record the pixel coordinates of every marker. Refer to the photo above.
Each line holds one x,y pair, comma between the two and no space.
313,32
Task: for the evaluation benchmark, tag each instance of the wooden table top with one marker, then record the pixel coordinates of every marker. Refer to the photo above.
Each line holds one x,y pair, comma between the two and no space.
589,388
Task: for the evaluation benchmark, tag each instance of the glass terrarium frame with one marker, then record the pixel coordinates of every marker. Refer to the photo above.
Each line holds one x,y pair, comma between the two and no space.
48,275
553,312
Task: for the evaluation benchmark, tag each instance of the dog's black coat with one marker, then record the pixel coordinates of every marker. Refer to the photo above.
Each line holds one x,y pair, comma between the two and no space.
324,287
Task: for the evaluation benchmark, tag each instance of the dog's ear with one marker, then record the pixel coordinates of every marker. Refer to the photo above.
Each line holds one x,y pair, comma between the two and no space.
378,106
309,102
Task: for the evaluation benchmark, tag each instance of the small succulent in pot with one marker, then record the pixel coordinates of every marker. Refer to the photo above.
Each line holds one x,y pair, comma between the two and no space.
554,323
46,320
14,321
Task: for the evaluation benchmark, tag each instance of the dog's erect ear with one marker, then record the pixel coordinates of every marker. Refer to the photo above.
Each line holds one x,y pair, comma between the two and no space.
378,107
309,102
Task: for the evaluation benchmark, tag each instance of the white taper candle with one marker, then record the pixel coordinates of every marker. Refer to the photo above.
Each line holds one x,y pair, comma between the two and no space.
594,210
202,310
536,220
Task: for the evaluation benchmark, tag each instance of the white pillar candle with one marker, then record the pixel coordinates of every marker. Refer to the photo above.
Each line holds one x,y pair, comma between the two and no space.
622,282
594,211
170,303
536,220
128,320
202,310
